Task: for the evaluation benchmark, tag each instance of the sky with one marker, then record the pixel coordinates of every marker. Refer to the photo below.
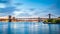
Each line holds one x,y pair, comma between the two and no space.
30,8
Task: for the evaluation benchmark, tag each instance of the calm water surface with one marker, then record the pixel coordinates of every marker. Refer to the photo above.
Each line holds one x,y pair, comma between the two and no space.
29,28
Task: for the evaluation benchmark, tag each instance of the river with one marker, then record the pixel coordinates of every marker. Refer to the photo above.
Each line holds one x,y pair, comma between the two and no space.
29,28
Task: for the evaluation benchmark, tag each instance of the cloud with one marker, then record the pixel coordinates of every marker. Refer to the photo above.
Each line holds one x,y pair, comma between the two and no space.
22,13
26,9
2,14
41,12
7,9
5,14
2,5
27,13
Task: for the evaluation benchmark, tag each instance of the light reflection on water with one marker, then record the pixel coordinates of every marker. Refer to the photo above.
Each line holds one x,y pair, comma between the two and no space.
29,28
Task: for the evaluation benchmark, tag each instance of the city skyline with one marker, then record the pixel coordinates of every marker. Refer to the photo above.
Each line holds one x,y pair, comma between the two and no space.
27,8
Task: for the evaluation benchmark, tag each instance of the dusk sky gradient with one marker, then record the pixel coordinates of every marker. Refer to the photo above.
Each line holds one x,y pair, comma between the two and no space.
26,8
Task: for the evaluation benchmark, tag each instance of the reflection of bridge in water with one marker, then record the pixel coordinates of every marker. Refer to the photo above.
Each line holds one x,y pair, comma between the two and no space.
13,19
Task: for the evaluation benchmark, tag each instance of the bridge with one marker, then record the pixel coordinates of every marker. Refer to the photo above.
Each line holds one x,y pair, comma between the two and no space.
37,19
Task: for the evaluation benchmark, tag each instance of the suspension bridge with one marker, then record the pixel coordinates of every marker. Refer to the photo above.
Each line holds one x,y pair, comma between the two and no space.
37,19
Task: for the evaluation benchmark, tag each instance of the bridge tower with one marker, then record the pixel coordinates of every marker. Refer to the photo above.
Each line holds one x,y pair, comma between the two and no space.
49,16
9,18
9,24
39,19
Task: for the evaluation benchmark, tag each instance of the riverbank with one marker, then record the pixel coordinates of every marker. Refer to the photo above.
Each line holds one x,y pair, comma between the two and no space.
52,21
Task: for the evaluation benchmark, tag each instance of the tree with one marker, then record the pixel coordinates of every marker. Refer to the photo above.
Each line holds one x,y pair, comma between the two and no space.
58,17
58,21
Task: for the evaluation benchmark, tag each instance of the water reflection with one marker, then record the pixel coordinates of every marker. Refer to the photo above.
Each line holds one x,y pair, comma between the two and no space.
29,28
